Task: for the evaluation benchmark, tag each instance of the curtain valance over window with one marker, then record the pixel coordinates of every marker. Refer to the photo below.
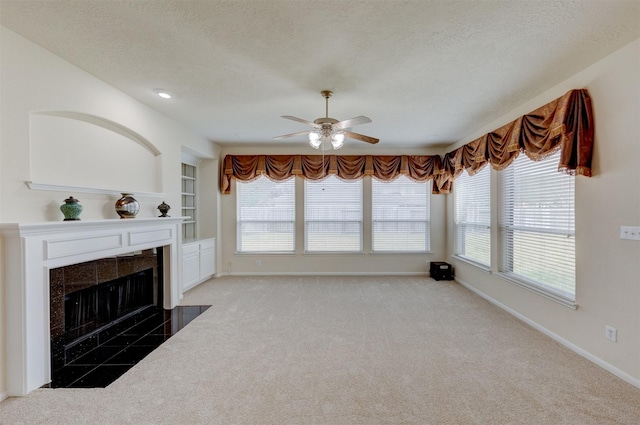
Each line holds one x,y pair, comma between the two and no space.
565,124
316,167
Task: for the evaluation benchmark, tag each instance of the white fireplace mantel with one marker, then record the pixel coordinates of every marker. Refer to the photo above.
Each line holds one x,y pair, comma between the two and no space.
32,249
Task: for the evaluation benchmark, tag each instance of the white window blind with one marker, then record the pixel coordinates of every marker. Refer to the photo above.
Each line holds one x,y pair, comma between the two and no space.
473,216
537,225
266,215
400,214
333,215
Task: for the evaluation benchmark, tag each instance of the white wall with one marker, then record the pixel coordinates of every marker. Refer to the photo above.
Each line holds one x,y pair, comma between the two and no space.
34,80
608,268
342,263
608,286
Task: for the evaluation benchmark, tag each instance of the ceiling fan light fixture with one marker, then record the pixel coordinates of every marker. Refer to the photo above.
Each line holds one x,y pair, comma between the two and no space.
329,130
337,139
314,140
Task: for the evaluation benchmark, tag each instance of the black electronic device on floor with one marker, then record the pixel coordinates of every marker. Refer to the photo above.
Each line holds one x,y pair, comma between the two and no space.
439,270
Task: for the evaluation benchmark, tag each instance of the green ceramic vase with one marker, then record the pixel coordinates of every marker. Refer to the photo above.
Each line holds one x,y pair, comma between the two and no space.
71,209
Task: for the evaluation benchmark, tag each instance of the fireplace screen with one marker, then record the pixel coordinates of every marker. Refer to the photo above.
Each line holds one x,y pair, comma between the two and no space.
92,308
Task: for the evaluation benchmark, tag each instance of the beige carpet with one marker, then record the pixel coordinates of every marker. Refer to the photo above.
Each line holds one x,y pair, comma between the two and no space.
345,350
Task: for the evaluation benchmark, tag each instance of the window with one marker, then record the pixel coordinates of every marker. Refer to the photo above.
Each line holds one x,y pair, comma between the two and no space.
537,226
333,215
189,229
400,214
266,215
473,216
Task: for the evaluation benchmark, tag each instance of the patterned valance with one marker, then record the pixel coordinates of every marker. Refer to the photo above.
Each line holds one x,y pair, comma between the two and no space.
565,124
316,167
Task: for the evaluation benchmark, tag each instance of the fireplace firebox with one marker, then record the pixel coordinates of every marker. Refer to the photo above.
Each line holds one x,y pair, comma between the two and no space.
88,301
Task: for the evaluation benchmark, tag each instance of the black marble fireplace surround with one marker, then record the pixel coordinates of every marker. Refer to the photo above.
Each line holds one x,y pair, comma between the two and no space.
106,315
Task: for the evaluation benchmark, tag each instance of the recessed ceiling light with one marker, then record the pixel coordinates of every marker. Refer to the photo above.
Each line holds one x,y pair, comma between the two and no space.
163,93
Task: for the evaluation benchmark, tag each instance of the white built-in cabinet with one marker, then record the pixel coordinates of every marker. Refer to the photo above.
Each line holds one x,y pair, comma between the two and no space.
198,262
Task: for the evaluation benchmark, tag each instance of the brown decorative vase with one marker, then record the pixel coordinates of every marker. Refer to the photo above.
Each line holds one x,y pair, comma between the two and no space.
127,206
164,209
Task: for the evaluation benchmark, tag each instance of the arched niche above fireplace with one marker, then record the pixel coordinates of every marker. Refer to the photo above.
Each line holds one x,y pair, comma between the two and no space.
70,148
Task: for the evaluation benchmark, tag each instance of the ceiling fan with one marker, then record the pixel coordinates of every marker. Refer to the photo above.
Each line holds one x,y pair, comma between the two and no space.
329,129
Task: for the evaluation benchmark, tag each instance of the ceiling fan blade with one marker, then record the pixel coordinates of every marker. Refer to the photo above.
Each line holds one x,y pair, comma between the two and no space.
286,136
361,137
312,124
352,122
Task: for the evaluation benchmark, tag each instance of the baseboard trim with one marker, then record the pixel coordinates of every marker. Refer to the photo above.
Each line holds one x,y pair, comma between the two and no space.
4,395
582,352
323,274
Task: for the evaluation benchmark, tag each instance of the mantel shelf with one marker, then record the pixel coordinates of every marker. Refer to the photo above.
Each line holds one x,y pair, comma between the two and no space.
80,189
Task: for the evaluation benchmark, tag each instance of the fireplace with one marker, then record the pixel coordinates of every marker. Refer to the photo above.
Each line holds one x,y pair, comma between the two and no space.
35,250
89,300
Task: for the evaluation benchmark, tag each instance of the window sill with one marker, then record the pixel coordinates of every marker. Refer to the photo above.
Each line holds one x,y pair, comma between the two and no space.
352,253
553,296
401,253
263,253
475,264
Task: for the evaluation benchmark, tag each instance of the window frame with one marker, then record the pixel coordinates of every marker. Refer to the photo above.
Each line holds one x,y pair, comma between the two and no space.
360,222
426,221
506,231
240,222
477,225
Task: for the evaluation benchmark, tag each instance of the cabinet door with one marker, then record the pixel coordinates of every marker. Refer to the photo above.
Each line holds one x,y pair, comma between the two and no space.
207,261
190,266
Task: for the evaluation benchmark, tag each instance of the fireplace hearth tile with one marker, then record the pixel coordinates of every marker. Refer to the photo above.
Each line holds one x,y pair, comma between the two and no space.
153,339
146,260
97,356
56,282
100,376
131,355
122,340
57,316
107,269
79,276
72,373
138,336
126,266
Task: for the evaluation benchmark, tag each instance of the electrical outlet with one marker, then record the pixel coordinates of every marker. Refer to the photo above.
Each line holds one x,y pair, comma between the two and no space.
630,232
611,333
258,263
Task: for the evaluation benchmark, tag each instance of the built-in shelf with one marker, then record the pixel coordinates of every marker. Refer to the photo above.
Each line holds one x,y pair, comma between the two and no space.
189,200
81,189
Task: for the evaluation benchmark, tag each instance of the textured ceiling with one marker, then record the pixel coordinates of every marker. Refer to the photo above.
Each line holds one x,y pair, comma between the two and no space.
426,72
